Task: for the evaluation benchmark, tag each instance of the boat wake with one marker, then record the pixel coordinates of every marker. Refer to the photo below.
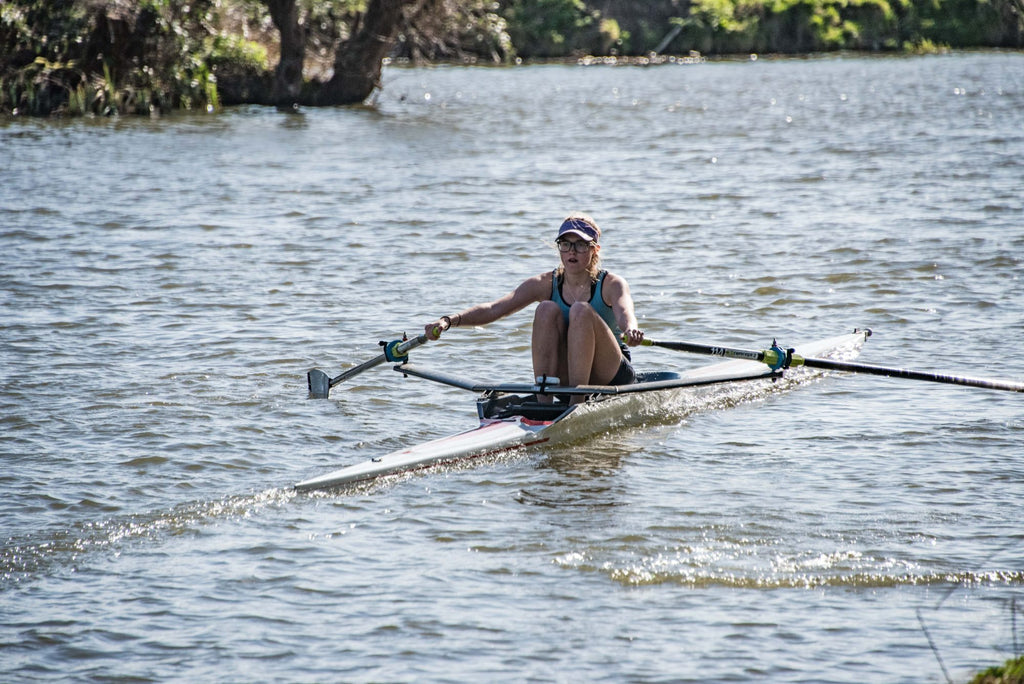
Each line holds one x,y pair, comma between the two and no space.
31,556
734,566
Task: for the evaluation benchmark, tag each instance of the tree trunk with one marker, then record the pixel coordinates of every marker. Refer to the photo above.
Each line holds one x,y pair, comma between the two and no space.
288,75
358,62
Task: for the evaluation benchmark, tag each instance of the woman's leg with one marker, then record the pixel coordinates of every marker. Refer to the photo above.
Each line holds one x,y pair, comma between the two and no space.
549,343
594,354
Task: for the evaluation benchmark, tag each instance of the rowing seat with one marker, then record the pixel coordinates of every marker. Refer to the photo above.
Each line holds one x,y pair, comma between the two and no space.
532,410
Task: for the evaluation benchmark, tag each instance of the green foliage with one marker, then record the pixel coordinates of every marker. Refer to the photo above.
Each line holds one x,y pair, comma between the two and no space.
966,23
800,26
1010,672
726,26
721,26
612,37
549,28
87,57
228,49
463,30
36,42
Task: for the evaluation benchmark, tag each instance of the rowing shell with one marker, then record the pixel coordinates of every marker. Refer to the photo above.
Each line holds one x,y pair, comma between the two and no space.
511,418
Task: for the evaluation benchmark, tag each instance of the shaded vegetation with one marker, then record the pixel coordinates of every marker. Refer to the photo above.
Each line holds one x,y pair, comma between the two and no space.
105,57
118,57
559,28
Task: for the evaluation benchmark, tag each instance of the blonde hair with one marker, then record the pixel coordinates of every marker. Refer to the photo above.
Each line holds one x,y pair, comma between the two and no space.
594,267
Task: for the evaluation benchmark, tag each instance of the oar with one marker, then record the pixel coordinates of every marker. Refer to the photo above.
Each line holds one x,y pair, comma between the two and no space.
784,358
320,383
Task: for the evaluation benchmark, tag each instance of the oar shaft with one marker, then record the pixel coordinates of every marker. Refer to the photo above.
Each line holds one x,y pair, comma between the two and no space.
772,357
356,370
397,350
985,383
766,356
320,383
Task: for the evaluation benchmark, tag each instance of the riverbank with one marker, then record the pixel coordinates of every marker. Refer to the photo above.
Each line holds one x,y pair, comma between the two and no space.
141,57
1010,672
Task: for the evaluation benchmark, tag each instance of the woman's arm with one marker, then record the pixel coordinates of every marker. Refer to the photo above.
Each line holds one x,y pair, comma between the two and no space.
535,289
617,295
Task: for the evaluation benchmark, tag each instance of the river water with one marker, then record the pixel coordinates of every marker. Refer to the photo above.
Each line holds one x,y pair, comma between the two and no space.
165,285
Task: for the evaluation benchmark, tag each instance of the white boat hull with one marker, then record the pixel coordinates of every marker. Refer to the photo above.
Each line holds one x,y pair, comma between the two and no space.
490,437
498,435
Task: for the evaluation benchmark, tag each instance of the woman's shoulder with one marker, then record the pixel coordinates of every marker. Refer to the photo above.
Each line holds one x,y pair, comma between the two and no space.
548,277
614,282
538,286
610,277
542,278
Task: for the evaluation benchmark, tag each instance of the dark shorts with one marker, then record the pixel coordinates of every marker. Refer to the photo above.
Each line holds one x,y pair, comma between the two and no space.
625,375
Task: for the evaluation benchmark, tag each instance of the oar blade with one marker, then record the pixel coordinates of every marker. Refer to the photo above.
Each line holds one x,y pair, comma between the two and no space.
319,384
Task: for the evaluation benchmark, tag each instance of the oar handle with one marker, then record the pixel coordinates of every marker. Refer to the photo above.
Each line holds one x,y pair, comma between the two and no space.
774,357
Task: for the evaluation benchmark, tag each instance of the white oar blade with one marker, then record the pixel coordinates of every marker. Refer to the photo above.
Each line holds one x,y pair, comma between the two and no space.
319,384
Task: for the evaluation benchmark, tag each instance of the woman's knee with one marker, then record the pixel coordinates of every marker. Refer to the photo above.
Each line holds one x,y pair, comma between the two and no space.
546,311
549,315
581,311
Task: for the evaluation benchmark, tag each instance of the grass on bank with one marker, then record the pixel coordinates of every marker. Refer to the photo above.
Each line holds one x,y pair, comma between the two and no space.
1010,672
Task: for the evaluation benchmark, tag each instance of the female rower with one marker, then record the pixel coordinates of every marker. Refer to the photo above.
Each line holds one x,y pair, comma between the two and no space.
583,313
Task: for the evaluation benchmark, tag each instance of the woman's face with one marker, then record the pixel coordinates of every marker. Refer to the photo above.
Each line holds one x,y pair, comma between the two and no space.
575,260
